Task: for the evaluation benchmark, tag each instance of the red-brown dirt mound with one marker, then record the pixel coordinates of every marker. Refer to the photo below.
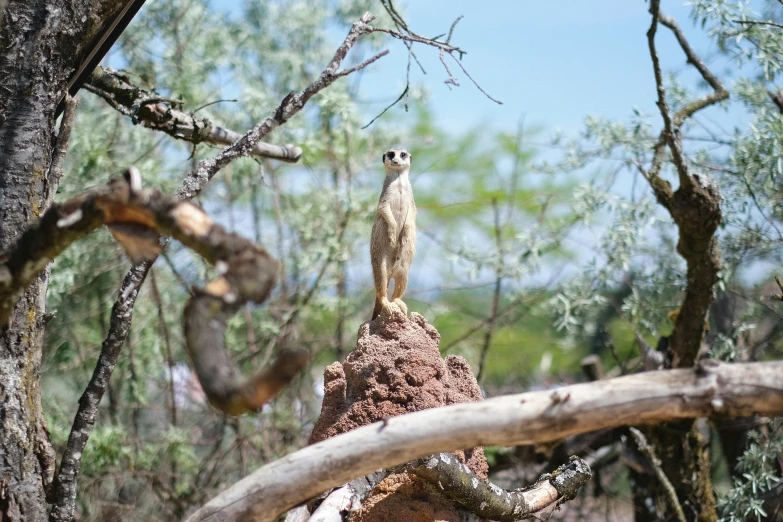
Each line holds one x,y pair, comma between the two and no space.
396,368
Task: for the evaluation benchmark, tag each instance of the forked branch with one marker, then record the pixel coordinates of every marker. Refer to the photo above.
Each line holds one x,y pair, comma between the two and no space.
291,104
695,206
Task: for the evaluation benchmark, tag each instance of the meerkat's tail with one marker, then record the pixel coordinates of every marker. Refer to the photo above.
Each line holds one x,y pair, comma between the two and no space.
377,310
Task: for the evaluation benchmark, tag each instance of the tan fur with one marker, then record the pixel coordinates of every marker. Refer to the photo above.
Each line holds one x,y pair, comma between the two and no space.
393,240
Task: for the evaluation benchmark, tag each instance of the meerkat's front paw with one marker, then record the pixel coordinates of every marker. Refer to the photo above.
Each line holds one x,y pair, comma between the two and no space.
403,306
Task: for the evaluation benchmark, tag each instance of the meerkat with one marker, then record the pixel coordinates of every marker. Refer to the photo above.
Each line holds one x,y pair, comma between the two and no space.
393,240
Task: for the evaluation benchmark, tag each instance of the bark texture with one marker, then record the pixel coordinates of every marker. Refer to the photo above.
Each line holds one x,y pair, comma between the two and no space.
41,44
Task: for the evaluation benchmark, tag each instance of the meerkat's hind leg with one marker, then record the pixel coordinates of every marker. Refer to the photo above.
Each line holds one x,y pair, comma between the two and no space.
400,284
382,304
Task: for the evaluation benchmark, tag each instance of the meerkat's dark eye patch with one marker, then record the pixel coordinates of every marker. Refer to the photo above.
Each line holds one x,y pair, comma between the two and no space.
403,155
390,154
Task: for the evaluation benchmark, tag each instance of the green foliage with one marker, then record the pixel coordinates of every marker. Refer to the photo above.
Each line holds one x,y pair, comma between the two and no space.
759,473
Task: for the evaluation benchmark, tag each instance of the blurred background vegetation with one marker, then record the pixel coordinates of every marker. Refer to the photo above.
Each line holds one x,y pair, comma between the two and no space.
530,257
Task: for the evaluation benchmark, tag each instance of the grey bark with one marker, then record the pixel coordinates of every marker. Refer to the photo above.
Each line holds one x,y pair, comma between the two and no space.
41,45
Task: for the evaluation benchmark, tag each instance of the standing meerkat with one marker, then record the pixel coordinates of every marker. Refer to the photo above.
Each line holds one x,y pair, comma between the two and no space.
393,240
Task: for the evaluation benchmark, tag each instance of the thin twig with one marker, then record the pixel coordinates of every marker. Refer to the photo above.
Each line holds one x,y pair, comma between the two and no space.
164,328
464,70
780,285
481,325
663,105
408,38
300,304
490,322
655,462
719,94
392,104
362,65
758,22
121,316
186,285
213,103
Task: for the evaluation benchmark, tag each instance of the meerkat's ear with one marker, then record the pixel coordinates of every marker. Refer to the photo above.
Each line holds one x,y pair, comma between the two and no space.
383,158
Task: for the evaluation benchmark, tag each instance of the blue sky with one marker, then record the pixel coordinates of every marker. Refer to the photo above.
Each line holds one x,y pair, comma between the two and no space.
556,62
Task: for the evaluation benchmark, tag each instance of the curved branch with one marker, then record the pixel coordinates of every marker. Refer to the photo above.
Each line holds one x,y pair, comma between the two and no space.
527,418
473,492
719,94
136,216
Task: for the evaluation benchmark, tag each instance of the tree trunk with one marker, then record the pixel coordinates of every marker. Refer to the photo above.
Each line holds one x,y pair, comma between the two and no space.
42,43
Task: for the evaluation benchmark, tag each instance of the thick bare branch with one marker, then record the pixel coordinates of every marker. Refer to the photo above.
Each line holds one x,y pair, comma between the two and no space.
739,389
151,111
483,498
473,492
